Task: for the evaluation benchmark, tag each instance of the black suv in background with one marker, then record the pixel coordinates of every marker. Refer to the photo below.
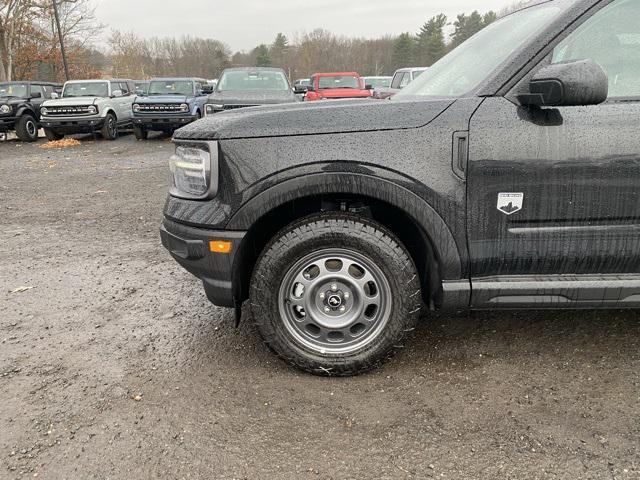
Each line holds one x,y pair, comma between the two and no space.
20,104
505,176
168,104
250,87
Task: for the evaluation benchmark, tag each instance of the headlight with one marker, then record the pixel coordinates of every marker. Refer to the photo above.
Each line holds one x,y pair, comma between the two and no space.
211,108
44,111
184,107
4,109
194,168
91,110
136,107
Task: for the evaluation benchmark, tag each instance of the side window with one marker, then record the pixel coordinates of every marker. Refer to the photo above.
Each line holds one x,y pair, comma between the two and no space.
114,86
38,89
395,83
406,80
198,87
125,88
610,38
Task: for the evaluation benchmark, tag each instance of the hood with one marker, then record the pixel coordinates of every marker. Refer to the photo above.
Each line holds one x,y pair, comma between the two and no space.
252,97
162,99
321,117
12,100
71,101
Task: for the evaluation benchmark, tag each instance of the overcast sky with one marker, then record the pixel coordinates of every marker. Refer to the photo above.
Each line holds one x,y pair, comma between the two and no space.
243,24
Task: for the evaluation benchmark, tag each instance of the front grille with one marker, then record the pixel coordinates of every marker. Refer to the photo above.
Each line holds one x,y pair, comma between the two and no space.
159,108
234,107
69,110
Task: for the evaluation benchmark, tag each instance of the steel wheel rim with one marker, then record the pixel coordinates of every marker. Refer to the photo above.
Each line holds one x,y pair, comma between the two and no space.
31,128
335,301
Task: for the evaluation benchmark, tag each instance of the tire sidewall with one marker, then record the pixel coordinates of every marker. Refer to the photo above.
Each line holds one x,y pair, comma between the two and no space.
23,128
343,231
107,132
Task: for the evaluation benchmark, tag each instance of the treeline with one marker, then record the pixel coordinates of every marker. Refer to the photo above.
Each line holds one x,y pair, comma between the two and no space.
29,44
29,47
319,50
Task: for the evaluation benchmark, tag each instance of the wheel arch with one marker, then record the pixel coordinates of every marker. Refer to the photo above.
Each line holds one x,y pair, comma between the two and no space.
416,223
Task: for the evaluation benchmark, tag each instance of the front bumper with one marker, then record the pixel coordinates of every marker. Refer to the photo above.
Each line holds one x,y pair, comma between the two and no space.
162,123
73,124
7,123
189,246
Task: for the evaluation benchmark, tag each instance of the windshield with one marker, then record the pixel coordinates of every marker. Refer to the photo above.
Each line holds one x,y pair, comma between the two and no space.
170,87
13,90
339,81
468,65
248,80
378,82
86,89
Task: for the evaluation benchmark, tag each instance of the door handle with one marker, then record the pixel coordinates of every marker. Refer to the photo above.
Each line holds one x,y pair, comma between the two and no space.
460,155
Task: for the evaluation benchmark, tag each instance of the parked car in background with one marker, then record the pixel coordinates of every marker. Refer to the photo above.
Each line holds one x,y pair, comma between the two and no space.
401,78
326,86
141,86
302,82
88,106
341,222
169,103
378,82
20,104
250,87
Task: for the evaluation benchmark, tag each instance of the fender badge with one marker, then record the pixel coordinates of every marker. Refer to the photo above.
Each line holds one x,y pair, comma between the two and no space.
510,203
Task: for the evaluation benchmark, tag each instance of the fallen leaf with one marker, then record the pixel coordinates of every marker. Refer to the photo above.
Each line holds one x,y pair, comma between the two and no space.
21,289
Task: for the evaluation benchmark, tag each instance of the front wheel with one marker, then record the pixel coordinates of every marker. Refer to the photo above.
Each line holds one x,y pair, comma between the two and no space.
52,135
27,128
109,130
335,294
140,133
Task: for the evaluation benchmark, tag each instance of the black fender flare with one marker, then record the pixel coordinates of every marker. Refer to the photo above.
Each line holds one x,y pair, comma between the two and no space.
26,109
423,214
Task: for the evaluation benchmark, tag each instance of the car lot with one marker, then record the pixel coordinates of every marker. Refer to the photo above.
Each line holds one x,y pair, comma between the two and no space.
113,364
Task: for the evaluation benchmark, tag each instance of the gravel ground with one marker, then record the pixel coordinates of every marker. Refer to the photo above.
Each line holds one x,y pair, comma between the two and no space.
114,365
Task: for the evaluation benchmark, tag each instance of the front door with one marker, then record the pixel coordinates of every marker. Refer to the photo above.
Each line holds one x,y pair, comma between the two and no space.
556,191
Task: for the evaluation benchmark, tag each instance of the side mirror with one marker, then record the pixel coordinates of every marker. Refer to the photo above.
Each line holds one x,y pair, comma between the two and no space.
567,84
116,93
310,88
368,87
54,96
207,89
36,95
301,89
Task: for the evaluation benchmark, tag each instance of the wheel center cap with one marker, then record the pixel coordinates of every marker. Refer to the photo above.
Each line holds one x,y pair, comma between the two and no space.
334,301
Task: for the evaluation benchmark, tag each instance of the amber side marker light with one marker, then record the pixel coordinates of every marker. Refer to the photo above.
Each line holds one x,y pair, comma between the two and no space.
220,246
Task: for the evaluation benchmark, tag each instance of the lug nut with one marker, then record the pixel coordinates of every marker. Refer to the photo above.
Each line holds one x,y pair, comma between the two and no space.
322,295
327,309
334,287
342,309
346,295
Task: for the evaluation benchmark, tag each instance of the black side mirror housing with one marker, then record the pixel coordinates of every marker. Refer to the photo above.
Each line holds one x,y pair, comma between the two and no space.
310,88
300,89
568,84
368,87
207,89
36,95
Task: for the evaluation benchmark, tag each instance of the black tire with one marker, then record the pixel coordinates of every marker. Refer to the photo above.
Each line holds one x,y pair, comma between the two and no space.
52,135
331,232
109,130
140,133
27,128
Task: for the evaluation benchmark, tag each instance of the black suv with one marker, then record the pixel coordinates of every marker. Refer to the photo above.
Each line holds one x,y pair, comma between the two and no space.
505,176
20,104
250,87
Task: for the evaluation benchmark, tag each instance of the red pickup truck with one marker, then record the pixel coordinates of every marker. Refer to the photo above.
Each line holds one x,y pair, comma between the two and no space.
326,86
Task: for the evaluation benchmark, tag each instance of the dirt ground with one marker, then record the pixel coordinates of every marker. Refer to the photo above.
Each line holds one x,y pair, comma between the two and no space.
114,365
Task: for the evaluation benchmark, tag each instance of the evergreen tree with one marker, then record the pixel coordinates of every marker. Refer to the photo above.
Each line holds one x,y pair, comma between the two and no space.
263,57
279,49
403,51
430,42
